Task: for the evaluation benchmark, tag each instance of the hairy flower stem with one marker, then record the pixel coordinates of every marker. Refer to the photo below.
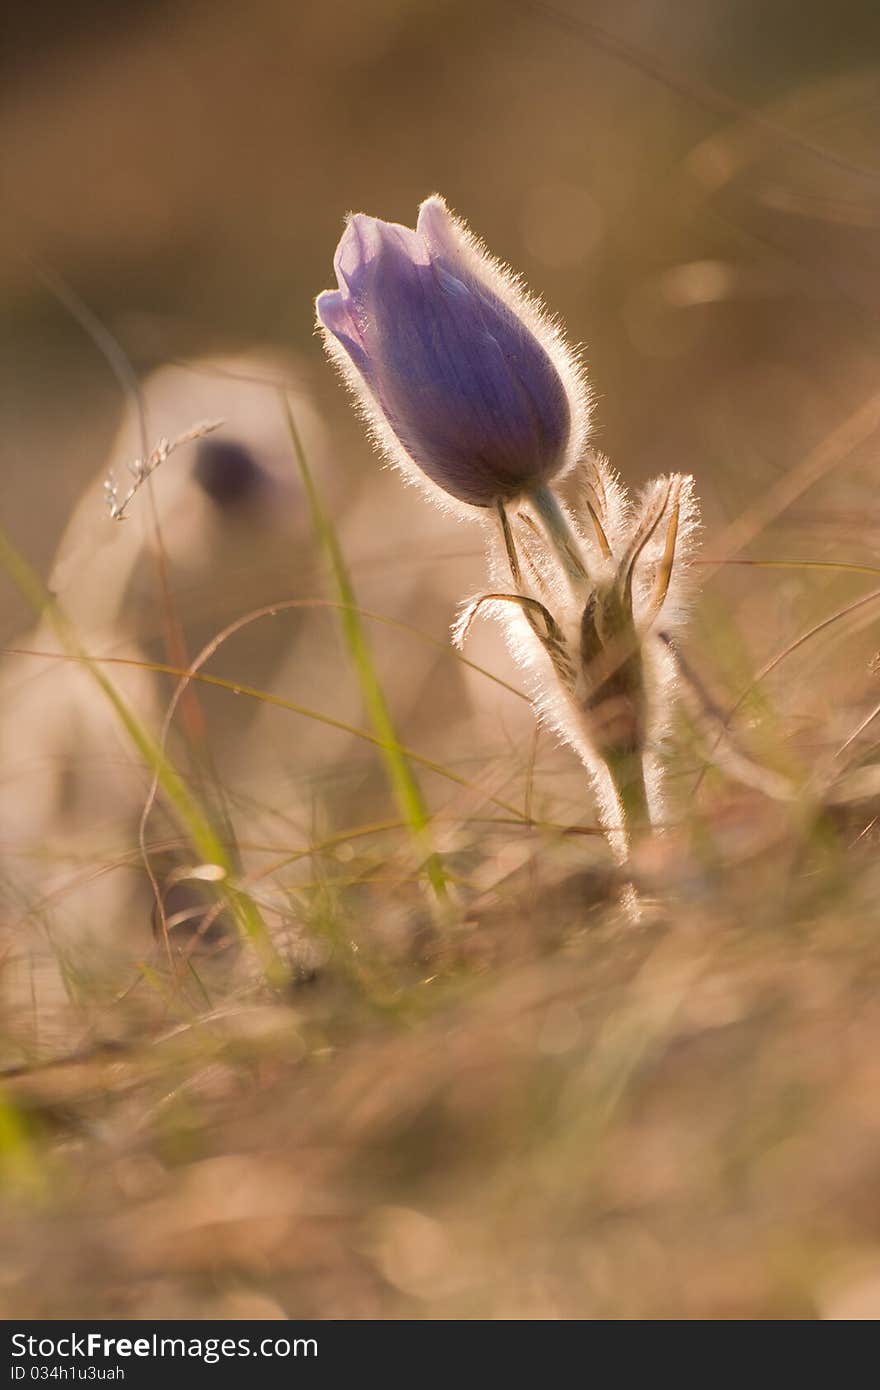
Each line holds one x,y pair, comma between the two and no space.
613,661
623,760
627,774
559,534
628,818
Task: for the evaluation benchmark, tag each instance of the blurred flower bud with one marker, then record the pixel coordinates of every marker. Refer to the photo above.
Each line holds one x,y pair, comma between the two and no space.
228,473
459,371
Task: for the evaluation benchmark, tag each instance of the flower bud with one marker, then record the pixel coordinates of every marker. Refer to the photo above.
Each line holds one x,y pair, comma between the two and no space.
228,473
462,375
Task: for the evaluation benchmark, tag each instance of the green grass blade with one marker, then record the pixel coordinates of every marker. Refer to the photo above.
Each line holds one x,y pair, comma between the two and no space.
267,697
404,785
187,810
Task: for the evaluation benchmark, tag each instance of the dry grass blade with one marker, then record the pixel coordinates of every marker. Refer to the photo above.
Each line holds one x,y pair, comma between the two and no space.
207,843
827,455
144,467
267,697
787,651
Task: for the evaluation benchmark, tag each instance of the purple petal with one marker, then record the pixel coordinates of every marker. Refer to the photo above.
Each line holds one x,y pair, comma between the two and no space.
334,312
460,378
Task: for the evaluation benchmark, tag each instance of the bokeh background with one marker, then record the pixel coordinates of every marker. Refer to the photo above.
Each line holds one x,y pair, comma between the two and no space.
692,189
696,190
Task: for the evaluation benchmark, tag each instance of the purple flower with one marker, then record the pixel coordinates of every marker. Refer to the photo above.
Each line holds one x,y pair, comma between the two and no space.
459,371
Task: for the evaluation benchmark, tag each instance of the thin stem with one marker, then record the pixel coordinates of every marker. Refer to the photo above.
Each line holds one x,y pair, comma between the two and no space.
509,546
561,536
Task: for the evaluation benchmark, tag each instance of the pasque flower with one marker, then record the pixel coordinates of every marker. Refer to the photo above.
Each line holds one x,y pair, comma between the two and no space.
464,378
468,384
